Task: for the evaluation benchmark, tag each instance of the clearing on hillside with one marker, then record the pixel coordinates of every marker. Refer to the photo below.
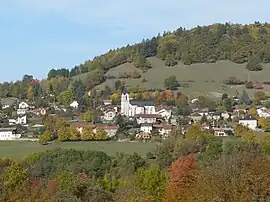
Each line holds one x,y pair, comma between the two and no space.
195,79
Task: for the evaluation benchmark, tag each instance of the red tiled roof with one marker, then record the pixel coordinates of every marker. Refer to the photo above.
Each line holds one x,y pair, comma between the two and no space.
164,126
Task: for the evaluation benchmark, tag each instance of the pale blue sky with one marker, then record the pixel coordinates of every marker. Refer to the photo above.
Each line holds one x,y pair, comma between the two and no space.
38,35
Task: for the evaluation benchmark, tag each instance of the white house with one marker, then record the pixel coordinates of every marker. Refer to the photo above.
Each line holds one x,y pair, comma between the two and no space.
263,112
109,115
21,120
23,108
164,130
165,112
23,105
9,134
107,102
74,104
146,128
130,108
249,121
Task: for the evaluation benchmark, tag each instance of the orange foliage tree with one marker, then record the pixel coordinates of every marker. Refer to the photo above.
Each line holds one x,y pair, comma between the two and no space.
181,178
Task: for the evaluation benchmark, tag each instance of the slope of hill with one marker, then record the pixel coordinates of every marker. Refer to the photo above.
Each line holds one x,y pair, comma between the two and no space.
200,78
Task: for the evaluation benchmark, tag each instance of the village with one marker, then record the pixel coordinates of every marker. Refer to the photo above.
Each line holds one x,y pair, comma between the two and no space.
133,119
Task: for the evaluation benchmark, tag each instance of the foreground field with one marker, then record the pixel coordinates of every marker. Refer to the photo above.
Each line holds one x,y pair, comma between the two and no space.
19,149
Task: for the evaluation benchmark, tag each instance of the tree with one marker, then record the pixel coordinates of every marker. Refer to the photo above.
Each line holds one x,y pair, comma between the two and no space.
151,180
64,134
253,112
101,134
261,122
204,119
171,83
87,116
30,93
66,97
244,99
253,64
170,61
13,176
87,134
181,179
240,130
45,137
266,126
227,104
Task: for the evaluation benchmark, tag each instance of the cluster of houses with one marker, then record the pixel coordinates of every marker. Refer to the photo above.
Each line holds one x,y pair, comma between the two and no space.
23,109
150,119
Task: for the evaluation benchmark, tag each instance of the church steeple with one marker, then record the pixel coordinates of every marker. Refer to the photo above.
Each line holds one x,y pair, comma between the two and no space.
125,91
125,102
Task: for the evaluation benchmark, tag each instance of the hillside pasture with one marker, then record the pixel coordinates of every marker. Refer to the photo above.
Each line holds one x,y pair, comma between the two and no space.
196,79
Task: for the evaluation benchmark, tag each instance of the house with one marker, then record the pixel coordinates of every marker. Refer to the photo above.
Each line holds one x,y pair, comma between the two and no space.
205,126
107,102
222,131
215,115
74,104
146,128
130,108
164,129
147,118
263,112
195,117
21,120
249,121
109,114
9,134
23,105
225,115
110,130
8,102
41,111
165,112
143,135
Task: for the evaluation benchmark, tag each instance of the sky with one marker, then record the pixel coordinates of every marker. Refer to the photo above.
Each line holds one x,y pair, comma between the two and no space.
38,35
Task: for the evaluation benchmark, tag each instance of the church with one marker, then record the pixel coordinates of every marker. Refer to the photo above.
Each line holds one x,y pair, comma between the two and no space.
131,108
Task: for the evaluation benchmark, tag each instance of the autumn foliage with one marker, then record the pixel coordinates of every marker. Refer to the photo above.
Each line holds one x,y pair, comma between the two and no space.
181,178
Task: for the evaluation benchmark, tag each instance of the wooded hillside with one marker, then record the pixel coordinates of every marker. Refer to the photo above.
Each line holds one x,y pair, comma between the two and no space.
207,44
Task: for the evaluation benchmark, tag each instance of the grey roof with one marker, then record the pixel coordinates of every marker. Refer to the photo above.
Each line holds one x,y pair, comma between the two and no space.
249,118
125,91
141,103
7,129
8,101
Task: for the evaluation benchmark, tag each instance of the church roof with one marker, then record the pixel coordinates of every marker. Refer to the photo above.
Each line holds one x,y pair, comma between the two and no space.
141,103
124,91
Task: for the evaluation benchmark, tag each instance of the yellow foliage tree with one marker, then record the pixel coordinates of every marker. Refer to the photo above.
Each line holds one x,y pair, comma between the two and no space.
87,134
253,112
101,134
261,122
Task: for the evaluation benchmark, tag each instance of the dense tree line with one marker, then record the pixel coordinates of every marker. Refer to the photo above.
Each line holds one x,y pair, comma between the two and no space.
193,167
203,44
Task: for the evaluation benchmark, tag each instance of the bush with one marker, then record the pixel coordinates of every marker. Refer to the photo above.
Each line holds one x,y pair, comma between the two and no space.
233,81
249,85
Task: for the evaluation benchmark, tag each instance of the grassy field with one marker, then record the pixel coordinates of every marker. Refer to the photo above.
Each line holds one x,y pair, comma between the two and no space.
19,149
202,78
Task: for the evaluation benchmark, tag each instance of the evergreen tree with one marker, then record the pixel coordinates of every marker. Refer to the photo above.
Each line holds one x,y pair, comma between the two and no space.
244,99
